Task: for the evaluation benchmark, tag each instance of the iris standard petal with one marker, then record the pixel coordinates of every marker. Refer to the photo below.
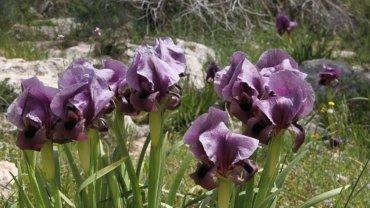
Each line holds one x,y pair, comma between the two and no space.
224,79
274,57
172,54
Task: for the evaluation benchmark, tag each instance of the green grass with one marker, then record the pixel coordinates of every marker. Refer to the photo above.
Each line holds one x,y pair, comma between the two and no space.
12,48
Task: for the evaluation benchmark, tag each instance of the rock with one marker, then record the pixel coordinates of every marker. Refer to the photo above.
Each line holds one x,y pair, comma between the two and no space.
350,80
82,50
49,29
18,69
6,179
197,55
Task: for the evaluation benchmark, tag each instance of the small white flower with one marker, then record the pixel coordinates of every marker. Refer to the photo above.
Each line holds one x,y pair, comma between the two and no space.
97,31
330,111
59,37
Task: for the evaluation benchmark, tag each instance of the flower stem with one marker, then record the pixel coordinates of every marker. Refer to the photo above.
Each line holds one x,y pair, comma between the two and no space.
47,160
155,159
247,200
48,167
84,154
224,193
119,128
269,169
30,156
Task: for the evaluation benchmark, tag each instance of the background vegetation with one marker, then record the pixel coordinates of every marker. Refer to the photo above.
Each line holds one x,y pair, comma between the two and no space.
226,26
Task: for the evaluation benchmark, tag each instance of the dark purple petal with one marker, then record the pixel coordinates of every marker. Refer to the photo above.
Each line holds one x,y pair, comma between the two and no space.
275,57
203,123
213,68
329,75
283,24
31,140
300,135
142,101
259,129
243,171
66,130
124,104
334,142
242,111
205,176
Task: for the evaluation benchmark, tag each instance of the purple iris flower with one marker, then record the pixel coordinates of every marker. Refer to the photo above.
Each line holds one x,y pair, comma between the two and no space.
31,113
114,72
237,83
221,152
83,96
329,76
284,25
153,76
211,72
291,98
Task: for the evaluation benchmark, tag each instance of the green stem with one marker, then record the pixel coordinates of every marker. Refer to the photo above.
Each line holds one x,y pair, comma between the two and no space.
269,169
224,193
47,160
84,154
30,156
247,200
328,94
155,159
119,128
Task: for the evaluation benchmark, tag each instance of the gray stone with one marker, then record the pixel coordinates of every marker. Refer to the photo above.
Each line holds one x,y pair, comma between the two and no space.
6,179
197,55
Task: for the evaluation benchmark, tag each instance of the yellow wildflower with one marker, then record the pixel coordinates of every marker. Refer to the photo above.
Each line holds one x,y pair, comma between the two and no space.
315,136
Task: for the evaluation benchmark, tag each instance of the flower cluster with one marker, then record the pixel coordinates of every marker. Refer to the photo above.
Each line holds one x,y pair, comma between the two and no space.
268,97
86,93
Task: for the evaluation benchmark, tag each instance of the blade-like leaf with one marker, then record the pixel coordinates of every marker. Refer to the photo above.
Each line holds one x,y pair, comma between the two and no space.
322,197
283,174
177,180
68,201
97,175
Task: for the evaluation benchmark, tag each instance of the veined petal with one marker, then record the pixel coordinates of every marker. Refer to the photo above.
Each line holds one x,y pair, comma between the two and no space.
201,124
